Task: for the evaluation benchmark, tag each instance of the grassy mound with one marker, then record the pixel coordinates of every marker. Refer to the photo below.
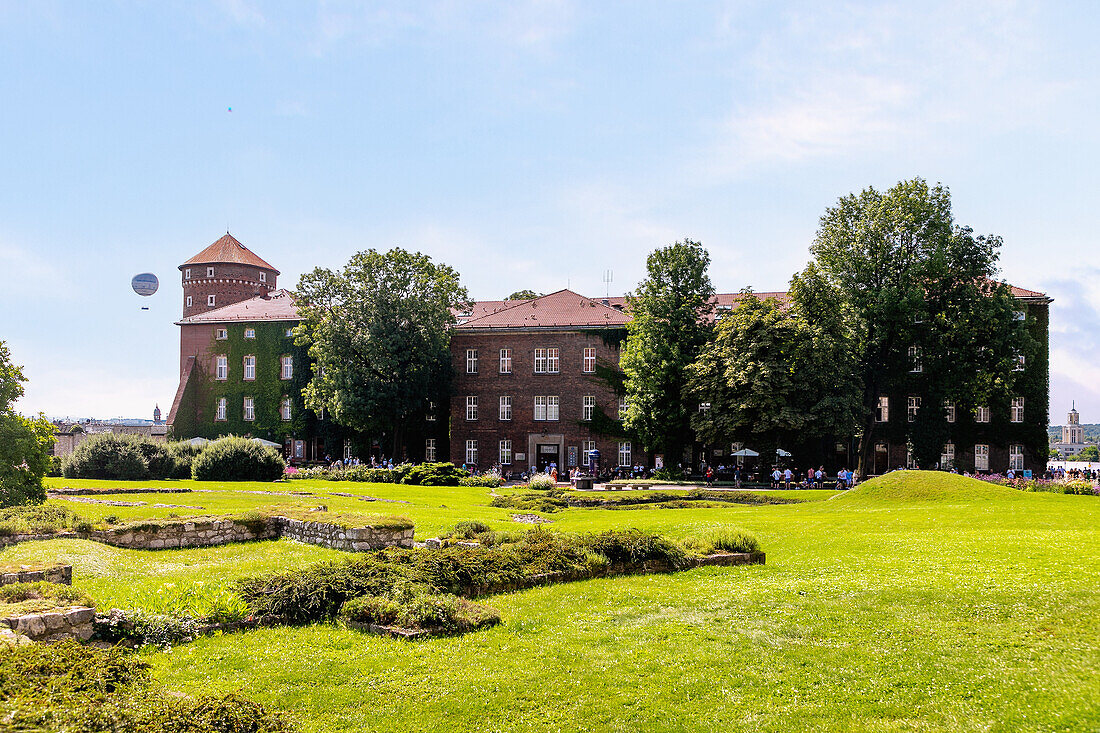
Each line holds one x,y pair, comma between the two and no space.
925,486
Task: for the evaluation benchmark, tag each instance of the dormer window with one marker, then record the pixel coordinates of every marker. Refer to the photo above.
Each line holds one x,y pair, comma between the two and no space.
210,272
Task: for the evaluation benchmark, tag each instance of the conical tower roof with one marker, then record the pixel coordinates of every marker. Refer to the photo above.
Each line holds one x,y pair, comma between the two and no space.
228,250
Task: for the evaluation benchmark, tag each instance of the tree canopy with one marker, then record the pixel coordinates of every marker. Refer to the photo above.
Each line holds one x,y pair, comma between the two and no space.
669,325
524,295
378,333
24,442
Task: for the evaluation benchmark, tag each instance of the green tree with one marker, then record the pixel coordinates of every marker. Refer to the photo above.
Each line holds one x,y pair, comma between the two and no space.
524,295
378,333
668,328
917,292
24,442
1088,453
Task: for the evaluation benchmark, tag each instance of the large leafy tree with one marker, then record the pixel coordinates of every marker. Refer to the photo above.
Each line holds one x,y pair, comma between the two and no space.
24,442
378,332
669,326
917,290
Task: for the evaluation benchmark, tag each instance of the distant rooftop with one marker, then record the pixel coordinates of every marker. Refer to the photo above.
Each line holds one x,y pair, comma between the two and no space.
556,310
278,305
228,250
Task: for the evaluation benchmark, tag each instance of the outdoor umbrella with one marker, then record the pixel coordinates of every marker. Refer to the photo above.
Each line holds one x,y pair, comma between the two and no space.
268,443
745,452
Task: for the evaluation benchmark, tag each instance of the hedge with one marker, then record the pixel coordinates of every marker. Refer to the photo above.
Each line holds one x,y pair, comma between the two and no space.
237,459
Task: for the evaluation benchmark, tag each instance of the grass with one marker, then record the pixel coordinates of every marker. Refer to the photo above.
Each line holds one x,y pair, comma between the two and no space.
917,603
18,599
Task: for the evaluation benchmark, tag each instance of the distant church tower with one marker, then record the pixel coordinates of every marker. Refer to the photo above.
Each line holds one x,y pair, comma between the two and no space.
156,415
1072,432
224,273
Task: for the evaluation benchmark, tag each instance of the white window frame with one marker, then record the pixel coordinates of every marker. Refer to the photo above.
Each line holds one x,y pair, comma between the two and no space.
1019,315
622,407
471,408
882,412
588,407
471,452
221,334
429,450
250,333
286,363
221,367
289,333
913,407
553,360
249,409
222,411
949,410
553,407
285,408
981,457
430,417
211,301
505,453
1017,414
263,277
471,361
1019,362
187,274
587,446
588,360
189,301
540,408
910,462
504,407
947,457
505,361
915,366
981,414
1016,457
249,367
625,454
210,272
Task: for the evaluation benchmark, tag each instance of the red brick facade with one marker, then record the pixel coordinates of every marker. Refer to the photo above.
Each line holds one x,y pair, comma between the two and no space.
562,440
231,283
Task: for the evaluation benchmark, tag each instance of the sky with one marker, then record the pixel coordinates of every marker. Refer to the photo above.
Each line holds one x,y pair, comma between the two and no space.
527,143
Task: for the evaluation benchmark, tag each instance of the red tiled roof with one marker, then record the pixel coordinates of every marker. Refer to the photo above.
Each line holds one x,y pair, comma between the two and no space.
278,305
228,250
1024,293
556,310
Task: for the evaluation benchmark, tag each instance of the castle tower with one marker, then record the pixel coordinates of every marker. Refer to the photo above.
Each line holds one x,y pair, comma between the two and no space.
224,273
156,415
1072,432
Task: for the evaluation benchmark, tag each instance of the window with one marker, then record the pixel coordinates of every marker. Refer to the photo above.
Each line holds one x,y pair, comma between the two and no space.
471,407
910,462
471,361
1019,362
949,410
947,458
622,408
880,447
588,408
347,449
505,452
981,414
188,301
505,361
915,367
1019,315
471,452
624,454
263,277
589,365
221,416
288,367
210,272
505,408
249,409
883,412
285,410
1017,409
914,406
430,417
187,274
210,301
250,367
552,407
981,457
221,334
540,408
1016,457
704,406
429,450
587,446
221,367
250,333
546,361
289,332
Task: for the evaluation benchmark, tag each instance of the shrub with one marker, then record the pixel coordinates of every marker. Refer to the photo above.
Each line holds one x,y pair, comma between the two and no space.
431,612
36,519
182,454
23,598
668,474
469,529
635,546
551,501
540,482
1080,488
485,480
722,540
433,474
107,456
55,467
237,459
71,687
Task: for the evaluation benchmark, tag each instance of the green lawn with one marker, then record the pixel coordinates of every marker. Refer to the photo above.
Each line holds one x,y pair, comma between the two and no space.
929,603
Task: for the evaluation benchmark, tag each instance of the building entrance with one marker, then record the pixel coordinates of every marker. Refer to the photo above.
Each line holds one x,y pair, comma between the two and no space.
547,454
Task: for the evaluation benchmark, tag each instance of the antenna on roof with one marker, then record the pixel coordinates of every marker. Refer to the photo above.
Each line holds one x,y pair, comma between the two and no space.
608,277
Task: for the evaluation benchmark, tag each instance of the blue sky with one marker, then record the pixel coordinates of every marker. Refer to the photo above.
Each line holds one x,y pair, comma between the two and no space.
529,144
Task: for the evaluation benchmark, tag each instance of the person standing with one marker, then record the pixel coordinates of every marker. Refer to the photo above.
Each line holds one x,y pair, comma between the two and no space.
787,476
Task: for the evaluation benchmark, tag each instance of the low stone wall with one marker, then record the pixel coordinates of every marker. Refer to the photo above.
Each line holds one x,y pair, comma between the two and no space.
62,574
170,535
15,539
64,623
347,539
84,491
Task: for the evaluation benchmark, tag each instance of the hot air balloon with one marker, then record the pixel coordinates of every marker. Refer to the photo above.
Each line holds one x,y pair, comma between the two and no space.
145,284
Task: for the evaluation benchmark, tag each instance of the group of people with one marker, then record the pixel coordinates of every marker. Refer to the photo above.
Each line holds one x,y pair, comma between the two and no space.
814,478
